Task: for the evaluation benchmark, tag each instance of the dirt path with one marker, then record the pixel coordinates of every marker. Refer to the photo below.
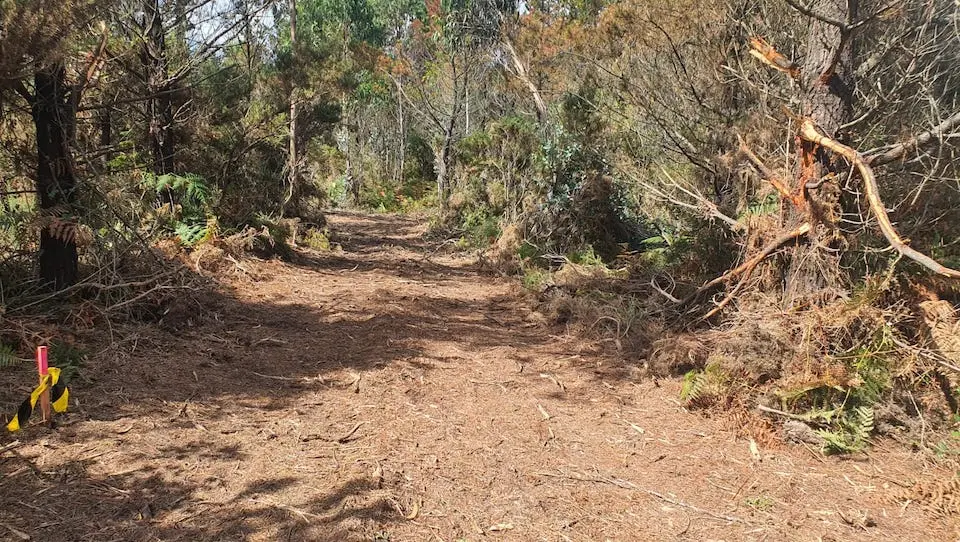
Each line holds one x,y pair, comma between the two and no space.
391,393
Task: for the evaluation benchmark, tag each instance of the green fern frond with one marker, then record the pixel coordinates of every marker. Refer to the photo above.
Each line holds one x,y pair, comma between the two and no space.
68,358
8,356
191,234
693,383
194,187
853,434
864,427
711,382
835,442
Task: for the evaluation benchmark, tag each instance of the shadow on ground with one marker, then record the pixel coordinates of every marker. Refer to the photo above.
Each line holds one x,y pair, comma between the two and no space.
140,457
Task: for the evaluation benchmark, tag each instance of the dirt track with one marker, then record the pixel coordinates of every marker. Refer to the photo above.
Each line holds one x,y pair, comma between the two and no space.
389,392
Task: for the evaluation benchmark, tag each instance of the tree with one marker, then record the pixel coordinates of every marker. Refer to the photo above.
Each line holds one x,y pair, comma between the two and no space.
293,164
55,117
31,40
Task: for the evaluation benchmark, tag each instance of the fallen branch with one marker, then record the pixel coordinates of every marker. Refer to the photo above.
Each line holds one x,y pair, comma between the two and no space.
94,285
304,515
661,291
933,356
625,484
770,176
747,267
726,301
810,132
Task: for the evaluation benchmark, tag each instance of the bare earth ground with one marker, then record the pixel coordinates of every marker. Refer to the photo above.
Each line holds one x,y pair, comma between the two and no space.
390,392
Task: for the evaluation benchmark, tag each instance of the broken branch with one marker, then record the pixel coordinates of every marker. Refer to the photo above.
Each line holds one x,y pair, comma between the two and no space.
747,266
765,53
769,175
897,152
810,132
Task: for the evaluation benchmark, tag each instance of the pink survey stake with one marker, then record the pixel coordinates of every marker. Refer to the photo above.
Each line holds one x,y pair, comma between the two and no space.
42,360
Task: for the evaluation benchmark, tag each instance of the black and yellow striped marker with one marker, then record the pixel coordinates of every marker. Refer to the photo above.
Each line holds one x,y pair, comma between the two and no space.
59,395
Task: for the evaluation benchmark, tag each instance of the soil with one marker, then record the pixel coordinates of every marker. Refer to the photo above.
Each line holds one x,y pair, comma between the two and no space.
391,391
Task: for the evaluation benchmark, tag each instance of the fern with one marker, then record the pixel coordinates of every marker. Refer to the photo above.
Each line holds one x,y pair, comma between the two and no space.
864,427
766,206
191,234
693,383
191,220
194,187
853,434
701,386
68,358
8,356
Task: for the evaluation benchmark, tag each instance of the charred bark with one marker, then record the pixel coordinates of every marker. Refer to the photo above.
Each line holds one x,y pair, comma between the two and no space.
53,118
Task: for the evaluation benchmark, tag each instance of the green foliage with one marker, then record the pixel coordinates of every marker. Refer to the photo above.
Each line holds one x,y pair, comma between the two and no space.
948,448
534,278
481,228
68,357
528,251
192,188
192,221
847,410
768,205
762,503
586,257
317,239
8,356
852,433
704,386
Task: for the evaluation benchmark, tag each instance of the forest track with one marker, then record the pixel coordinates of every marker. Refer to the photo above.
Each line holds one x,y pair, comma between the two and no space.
389,391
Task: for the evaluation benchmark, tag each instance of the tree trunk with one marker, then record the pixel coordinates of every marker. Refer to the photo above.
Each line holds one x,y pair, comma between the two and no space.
401,135
827,77
247,34
56,182
159,89
291,203
442,162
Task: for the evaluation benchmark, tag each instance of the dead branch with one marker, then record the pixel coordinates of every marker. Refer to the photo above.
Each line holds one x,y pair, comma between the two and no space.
769,175
810,132
809,12
661,291
703,204
765,53
626,484
154,280
936,357
521,72
747,267
726,301
932,136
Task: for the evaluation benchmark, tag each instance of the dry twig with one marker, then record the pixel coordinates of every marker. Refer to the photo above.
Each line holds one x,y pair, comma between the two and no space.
625,484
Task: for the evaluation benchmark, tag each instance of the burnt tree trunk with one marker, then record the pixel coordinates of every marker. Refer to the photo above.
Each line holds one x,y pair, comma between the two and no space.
54,117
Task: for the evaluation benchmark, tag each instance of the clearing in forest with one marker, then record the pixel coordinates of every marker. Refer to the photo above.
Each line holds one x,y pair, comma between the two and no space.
389,391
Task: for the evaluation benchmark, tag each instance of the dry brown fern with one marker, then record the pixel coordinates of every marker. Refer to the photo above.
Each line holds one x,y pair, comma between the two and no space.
937,496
